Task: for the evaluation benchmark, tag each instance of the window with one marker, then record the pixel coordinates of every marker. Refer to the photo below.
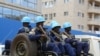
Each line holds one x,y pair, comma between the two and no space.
31,16
16,14
24,3
33,1
35,15
7,13
9,1
79,26
46,16
22,14
30,5
82,27
65,13
50,15
80,14
66,1
99,44
17,1
81,1
0,11
51,3
45,3
54,0
1,15
54,14
85,40
78,39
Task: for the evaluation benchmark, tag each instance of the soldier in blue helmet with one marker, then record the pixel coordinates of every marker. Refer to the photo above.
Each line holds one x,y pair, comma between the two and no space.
25,29
40,33
57,38
26,25
80,46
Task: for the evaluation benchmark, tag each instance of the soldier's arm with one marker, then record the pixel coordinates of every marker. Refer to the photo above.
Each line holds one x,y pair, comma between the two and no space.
33,35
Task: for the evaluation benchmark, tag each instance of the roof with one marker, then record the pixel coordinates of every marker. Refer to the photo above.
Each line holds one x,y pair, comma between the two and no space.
9,29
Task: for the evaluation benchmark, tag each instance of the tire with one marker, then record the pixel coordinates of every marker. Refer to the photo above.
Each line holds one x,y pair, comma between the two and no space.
6,52
48,53
22,46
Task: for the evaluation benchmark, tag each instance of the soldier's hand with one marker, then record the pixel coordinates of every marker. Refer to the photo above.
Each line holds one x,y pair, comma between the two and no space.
42,35
74,43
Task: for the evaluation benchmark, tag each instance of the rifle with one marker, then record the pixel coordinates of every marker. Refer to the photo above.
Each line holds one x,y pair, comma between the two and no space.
48,38
69,36
57,35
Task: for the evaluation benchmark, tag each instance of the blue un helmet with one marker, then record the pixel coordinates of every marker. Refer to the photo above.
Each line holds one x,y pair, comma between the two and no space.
26,19
39,19
54,24
67,24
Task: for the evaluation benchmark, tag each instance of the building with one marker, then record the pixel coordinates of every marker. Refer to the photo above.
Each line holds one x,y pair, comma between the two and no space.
83,14
16,9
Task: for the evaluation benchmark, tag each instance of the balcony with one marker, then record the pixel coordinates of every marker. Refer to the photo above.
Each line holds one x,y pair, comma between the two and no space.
93,9
97,0
94,22
94,0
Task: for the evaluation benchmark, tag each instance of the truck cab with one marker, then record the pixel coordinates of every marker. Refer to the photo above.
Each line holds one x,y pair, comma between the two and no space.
1,49
93,41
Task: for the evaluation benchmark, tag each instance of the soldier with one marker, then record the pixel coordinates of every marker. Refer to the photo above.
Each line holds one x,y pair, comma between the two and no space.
26,28
40,33
57,38
75,43
26,25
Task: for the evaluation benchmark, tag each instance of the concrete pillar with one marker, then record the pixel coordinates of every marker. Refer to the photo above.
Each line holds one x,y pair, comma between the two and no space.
92,16
92,28
99,28
93,4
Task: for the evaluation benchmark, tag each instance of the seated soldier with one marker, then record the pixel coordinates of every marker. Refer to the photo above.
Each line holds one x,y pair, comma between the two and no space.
56,36
26,27
80,46
39,33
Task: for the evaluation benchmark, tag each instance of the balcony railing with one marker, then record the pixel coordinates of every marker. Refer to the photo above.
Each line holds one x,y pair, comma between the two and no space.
97,0
94,21
95,7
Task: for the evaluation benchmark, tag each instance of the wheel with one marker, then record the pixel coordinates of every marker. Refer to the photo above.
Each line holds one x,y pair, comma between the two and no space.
50,53
6,52
22,46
